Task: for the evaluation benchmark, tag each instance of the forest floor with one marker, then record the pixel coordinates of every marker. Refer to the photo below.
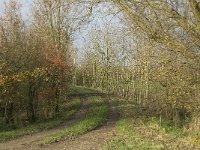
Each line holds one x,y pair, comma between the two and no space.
91,140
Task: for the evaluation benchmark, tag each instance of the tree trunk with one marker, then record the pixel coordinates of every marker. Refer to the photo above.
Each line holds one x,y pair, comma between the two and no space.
31,102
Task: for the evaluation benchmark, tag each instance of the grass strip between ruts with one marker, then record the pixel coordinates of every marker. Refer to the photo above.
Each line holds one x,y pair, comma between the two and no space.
96,115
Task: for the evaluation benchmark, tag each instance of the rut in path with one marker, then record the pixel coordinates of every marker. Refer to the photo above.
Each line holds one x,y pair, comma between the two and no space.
93,140
28,140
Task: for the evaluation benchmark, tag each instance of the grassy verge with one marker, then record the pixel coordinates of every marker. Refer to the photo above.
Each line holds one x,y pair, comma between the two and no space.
137,131
95,116
71,108
81,91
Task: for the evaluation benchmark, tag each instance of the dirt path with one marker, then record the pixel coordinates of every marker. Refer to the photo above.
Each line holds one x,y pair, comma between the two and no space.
93,140
26,142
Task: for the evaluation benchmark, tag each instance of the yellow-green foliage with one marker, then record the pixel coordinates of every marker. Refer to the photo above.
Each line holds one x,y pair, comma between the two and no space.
22,76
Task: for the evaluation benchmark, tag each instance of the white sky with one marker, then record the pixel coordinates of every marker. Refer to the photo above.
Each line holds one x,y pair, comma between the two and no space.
81,36
25,3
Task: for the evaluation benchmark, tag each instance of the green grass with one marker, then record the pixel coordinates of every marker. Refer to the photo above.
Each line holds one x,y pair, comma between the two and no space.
71,108
96,115
137,131
130,138
81,91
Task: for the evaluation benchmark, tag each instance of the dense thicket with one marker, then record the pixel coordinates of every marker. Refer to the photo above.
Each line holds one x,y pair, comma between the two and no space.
35,62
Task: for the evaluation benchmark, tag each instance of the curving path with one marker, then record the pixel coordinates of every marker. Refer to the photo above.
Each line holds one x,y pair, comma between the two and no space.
93,140
27,141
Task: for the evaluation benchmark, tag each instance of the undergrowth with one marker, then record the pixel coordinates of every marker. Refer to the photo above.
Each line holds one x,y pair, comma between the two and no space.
70,109
137,131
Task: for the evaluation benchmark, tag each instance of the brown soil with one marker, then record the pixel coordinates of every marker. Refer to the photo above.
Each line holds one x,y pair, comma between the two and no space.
93,140
28,140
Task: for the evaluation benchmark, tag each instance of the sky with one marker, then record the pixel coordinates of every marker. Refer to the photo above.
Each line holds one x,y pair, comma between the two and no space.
100,18
26,6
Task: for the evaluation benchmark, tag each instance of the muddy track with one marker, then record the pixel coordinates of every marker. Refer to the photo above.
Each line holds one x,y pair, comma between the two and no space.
28,141
94,140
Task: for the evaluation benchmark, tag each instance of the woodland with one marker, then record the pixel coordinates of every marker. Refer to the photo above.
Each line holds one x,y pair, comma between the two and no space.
134,75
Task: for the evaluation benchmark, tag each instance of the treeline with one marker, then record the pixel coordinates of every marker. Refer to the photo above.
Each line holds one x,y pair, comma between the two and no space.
151,58
35,62
160,71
